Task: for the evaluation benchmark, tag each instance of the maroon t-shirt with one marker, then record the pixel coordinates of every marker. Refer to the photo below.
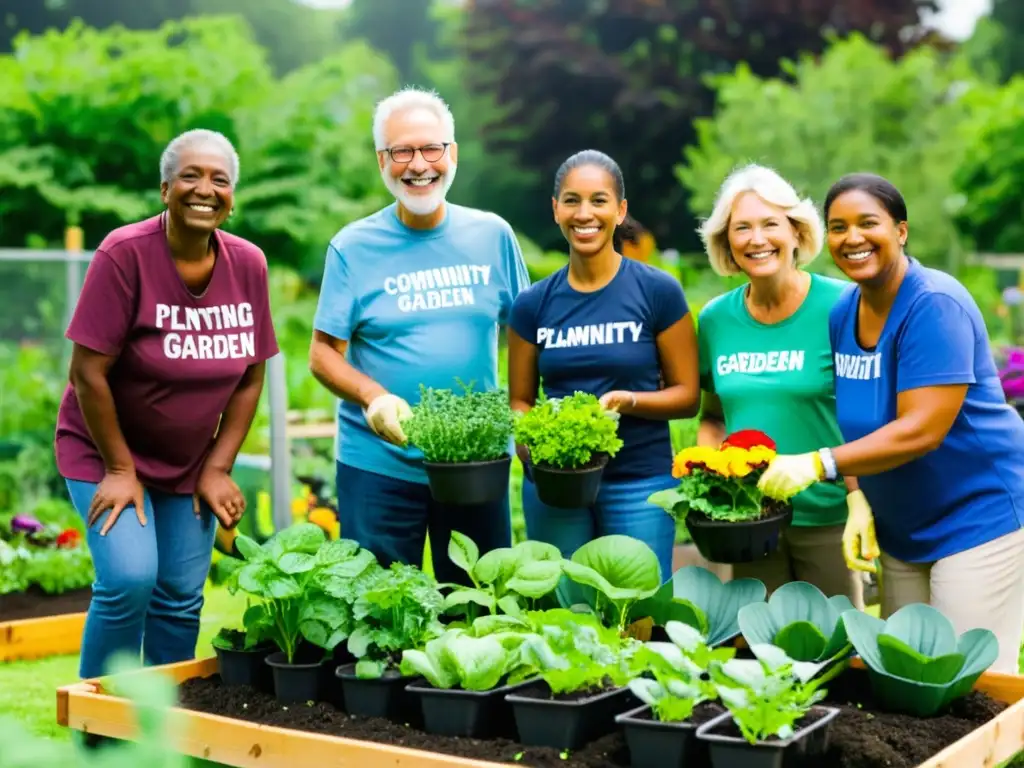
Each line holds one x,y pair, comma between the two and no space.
179,356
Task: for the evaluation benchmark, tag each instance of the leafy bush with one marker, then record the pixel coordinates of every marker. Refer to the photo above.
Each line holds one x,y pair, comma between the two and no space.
451,428
568,432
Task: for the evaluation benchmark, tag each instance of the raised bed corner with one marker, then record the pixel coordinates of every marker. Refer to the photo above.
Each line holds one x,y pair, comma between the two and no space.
87,707
27,639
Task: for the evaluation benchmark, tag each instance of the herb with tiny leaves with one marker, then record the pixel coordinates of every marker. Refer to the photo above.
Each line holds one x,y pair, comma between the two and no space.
460,428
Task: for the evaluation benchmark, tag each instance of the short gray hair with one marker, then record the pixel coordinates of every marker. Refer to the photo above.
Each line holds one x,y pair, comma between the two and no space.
407,100
772,188
170,160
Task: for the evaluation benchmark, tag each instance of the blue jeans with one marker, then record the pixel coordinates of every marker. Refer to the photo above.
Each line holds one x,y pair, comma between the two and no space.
391,518
621,508
149,580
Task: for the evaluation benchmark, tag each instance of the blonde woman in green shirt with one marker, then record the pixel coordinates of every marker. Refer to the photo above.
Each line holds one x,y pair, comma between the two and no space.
766,363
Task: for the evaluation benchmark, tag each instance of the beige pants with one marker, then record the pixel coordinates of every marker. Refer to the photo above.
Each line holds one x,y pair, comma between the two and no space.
811,554
982,587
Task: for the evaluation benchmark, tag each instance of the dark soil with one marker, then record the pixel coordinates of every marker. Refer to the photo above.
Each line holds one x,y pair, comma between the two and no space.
774,507
34,603
702,713
730,728
541,690
861,736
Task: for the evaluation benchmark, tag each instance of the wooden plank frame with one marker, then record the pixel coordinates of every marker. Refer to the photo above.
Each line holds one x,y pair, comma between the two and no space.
87,707
40,638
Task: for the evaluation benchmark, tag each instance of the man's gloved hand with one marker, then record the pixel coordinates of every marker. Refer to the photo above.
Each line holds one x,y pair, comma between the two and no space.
860,547
786,476
385,414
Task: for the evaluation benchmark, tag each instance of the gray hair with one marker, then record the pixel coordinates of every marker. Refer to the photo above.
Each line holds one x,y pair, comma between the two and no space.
773,189
198,138
407,100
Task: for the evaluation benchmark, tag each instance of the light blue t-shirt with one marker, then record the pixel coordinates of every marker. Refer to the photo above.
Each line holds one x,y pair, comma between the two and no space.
968,491
417,307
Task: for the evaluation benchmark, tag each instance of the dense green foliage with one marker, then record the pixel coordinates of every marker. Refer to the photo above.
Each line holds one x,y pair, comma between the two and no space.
452,427
567,432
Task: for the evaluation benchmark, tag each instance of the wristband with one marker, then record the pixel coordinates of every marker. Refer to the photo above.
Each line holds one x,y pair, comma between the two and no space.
828,462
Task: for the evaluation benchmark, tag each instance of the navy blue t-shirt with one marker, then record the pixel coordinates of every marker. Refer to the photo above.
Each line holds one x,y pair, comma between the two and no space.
968,491
606,340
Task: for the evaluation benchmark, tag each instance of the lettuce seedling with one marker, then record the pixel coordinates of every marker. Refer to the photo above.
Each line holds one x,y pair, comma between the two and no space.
916,663
800,620
456,659
568,432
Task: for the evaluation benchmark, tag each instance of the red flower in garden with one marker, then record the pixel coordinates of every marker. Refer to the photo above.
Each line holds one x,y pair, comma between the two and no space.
69,538
748,438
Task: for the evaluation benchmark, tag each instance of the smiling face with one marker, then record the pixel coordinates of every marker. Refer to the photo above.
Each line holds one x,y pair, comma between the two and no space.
865,241
420,182
200,195
588,209
762,238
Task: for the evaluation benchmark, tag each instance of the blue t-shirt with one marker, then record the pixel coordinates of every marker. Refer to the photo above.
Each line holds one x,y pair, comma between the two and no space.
970,490
417,307
605,340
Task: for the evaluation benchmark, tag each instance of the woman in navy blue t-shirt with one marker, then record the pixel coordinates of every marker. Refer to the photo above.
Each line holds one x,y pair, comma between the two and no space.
937,450
648,373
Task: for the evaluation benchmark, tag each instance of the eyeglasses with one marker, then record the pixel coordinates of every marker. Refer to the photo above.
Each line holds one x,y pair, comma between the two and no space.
431,152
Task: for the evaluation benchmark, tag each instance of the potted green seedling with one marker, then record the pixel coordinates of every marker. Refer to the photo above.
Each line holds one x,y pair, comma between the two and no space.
570,441
466,441
241,654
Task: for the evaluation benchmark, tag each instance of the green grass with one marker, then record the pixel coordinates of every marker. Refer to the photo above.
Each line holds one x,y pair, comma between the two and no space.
27,689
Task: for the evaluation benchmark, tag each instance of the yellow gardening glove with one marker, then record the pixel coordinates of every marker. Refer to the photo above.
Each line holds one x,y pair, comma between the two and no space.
786,476
385,414
860,547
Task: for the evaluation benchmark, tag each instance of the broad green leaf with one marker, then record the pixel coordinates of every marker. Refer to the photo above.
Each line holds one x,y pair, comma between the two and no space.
463,551
536,579
802,641
903,661
621,567
463,596
294,563
248,548
799,619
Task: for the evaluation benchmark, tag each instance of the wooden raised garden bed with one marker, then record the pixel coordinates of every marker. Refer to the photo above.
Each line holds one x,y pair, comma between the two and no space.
303,734
35,625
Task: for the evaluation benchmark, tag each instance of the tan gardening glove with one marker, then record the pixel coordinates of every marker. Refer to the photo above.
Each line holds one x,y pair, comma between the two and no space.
860,547
385,414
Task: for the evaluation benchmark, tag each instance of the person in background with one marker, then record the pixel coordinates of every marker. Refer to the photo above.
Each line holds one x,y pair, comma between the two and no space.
766,363
171,333
649,375
925,425
413,294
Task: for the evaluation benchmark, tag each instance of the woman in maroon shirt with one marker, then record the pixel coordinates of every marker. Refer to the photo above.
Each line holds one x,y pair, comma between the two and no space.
171,334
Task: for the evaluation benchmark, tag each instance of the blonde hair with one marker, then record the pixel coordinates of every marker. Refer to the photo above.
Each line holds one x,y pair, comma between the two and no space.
773,189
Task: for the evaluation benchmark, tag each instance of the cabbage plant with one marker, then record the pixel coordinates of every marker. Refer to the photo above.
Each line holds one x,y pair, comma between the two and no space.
915,660
800,620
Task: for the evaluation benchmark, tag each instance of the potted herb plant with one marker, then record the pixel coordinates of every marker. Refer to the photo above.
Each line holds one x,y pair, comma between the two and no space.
584,670
729,519
773,718
241,654
398,609
466,442
570,441
661,733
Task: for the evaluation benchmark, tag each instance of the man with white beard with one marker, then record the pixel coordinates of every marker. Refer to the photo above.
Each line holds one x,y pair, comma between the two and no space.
414,293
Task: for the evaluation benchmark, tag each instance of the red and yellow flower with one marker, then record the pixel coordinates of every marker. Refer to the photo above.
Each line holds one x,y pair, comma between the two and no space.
740,454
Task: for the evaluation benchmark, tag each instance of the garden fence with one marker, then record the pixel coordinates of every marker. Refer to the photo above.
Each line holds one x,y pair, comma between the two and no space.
38,293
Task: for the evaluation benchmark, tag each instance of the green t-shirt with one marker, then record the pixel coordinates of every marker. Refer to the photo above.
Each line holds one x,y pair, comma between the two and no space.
778,379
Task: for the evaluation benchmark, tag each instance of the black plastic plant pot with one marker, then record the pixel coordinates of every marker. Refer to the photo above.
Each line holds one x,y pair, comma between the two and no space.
566,722
300,681
474,714
384,696
656,744
569,488
746,541
804,749
476,482
241,667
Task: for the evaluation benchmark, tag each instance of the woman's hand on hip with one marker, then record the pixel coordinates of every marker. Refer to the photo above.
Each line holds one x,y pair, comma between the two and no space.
117,490
222,494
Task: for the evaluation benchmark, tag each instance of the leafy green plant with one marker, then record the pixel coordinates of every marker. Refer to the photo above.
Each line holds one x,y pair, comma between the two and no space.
916,663
800,620
457,659
398,609
504,578
305,584
678,668
697,597
768,696
454,428
608,575
568,432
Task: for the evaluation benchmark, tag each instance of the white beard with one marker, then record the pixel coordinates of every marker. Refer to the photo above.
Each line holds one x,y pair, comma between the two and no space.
419,205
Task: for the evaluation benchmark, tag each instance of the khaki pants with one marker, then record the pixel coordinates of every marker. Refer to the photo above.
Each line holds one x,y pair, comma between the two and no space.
980,588
811,554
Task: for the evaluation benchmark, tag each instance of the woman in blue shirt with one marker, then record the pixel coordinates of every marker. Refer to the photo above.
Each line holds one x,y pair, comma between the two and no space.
649,374
938,452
